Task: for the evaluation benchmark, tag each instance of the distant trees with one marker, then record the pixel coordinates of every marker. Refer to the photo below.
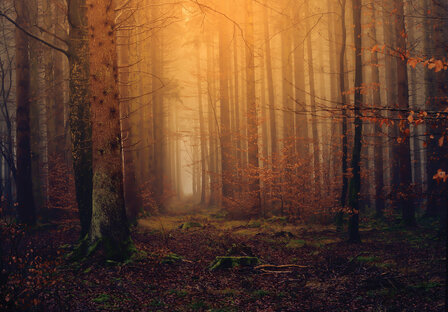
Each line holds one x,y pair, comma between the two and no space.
274,124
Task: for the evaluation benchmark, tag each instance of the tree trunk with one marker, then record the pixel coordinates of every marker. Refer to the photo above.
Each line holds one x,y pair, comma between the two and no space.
378,140
316,152
212,119
355,180
25,199
390,68
158,111
270,83
109,224
406,203
252,117
201,129
437,94
133,202
35,118
225,134
79,116
301,122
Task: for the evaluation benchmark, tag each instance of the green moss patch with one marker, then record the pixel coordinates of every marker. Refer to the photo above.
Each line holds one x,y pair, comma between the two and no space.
295,243
189,225
228,262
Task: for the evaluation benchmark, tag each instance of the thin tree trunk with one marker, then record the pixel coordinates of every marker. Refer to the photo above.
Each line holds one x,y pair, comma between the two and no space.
252,117
225,134
390,68
270,82
316,152
378,140
344,99
301,122
406,203
132,199
203,144
355,180
26,206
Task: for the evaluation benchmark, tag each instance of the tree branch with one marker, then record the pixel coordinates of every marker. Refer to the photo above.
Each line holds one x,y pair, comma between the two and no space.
65,52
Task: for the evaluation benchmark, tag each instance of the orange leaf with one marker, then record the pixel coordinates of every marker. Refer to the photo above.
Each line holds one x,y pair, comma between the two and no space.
438,66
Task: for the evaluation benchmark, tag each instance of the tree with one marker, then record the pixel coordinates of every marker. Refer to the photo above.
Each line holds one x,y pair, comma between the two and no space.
252,117
355,181
109,226
270,82
344,103
225,130
316,151
79,106
404,150
378,143
26,207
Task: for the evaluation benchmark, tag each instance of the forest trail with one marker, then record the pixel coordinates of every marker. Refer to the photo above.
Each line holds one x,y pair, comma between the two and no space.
393,267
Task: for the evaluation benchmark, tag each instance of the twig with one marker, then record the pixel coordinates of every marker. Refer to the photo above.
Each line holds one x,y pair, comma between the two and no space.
272,266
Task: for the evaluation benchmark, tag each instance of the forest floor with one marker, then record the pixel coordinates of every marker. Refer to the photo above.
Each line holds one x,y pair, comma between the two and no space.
394,269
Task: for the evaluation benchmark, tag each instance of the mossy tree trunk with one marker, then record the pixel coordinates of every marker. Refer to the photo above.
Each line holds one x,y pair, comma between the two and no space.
80,123
109,224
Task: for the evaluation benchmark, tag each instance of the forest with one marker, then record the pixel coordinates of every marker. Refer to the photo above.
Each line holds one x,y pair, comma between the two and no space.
223,155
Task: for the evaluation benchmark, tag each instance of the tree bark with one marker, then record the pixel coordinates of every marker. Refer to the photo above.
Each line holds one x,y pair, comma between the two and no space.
316,151
355,180
25,199
225,130
406,203
252,117
79,115
109,223
378,140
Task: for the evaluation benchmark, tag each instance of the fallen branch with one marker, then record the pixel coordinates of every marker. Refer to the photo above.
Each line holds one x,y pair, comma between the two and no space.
272,266
275,272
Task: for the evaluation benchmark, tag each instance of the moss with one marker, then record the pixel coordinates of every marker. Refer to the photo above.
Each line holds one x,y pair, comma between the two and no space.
295,243
367,259
118,251
179,293
198,305
171,259
254,224
101,298
229,262
258,294
188,225
277,220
